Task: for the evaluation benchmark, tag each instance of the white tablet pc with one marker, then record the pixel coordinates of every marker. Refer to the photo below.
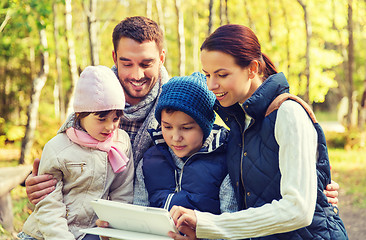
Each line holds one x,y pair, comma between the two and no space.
129,221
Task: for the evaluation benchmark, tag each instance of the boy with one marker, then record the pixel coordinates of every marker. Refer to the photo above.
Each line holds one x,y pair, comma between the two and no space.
187,164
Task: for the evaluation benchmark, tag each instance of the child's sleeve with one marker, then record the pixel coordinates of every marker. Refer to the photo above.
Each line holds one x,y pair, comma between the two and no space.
51,211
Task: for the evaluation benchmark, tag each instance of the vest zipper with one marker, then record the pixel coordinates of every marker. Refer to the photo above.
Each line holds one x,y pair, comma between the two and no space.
241,158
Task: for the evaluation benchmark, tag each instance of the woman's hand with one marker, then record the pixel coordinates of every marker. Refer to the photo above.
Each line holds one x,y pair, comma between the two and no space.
186,222
38,187
332,193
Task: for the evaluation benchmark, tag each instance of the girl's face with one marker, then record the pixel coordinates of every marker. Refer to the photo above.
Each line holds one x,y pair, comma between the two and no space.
181,133
100,128
227,80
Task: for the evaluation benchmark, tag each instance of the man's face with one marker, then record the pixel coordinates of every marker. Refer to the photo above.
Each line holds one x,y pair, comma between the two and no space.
138,66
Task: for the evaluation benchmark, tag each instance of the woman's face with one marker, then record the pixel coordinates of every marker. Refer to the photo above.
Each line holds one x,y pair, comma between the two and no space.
227,80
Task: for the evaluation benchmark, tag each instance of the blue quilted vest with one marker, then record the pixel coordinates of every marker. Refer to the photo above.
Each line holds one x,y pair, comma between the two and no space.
200,179
256,180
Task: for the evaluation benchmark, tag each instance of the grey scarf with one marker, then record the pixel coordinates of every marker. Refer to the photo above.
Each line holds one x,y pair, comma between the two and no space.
145,110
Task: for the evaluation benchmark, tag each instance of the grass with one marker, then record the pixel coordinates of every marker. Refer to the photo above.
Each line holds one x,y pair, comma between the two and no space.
349,171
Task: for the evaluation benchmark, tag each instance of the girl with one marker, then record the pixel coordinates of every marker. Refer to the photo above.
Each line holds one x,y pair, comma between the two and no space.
272,158
91,160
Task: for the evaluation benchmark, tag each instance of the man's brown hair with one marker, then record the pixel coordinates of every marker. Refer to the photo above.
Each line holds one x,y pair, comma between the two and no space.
139,29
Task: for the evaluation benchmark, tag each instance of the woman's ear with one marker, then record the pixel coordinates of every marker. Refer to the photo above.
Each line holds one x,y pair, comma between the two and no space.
253,69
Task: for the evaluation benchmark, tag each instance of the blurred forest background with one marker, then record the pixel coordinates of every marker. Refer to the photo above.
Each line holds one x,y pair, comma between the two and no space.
320,45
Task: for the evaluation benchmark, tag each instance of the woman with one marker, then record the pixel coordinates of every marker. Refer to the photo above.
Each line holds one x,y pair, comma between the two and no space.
272,159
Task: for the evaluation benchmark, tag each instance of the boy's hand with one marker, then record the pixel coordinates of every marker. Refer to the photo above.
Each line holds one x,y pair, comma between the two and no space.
186,222
38,187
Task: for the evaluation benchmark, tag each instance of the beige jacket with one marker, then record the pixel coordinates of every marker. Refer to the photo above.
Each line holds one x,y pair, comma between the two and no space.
83,174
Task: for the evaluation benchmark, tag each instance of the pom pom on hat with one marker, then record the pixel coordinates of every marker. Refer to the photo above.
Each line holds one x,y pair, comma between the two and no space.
190,95
98,89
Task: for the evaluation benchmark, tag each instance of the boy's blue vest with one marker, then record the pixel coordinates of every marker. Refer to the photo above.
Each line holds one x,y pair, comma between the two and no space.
258,182
200,181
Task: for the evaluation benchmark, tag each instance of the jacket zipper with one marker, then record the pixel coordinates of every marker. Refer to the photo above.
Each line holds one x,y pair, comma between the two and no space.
181,171
77,165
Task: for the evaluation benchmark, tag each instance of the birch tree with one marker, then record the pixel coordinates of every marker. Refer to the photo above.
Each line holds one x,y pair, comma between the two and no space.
307,53
37,86
210,17
58,89
181,38
93,26
287,43
350,64
249,16
71,59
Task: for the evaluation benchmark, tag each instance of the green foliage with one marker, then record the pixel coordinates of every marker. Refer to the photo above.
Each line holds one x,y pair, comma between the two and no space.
10,132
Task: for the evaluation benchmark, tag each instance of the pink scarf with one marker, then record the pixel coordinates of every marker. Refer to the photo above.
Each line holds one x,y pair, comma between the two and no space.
117,159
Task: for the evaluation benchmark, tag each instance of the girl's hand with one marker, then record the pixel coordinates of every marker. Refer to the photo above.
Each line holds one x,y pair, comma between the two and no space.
186,222
104,224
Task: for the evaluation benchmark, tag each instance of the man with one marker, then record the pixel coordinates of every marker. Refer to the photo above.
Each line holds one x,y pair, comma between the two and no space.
138,56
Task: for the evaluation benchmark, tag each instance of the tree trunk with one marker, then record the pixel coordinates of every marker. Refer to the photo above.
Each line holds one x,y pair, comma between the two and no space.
287,27
58,89
342,50
210,17
224,18
92,30
350,64
149,8
71,59
221,13
161,22
307,54
227,13
195,42
181,38
5,21
270,33
247,11
32,113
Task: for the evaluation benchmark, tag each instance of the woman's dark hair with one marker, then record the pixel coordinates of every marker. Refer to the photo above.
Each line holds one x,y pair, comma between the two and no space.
241,43
100,114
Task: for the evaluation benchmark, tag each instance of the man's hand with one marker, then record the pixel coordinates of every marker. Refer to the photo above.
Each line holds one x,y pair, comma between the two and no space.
38,187
332,193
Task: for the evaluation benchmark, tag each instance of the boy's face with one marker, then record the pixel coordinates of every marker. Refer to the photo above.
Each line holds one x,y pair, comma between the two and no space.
100,128
138,66
182,134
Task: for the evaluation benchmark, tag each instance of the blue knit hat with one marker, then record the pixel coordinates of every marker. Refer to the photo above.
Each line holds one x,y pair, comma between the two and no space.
190,95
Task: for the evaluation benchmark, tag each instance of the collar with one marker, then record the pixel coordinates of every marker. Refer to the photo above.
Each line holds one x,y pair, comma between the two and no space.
255,106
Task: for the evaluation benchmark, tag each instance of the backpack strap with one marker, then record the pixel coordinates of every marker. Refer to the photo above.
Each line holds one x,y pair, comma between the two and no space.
276,103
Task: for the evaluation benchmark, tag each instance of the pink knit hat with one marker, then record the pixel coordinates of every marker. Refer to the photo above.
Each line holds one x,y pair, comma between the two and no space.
98,89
